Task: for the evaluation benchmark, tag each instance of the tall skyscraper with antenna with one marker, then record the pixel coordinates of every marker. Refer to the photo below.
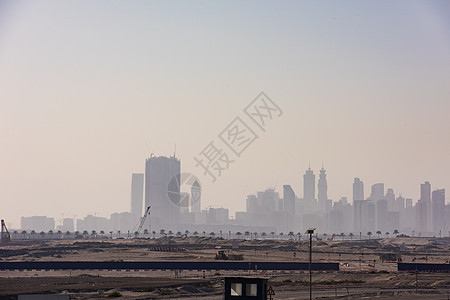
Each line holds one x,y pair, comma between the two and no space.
322,189
309,186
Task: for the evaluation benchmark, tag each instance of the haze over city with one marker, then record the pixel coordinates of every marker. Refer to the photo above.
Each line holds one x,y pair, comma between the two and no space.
88,92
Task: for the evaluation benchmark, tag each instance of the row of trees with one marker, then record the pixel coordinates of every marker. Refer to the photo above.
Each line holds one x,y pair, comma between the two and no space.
162,233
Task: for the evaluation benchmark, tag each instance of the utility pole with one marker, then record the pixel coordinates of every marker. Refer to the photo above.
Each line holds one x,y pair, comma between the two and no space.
310,231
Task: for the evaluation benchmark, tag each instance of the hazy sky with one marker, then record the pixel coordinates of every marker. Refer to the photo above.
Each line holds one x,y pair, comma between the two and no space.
86,85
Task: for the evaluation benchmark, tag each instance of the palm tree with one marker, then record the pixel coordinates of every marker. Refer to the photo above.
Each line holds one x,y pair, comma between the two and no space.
24,233
255,235
77,233
378,233
273,234
85,234
342,235
246,234
325,235
42,234
67,234
238,234
33,233
395,232
195,233
387,234
118,233
186,233
170,233
220,234
212,234
145,233
369,234
154,233
102,233
50,232
179,234
14,234
162,232
59,233
94,234
281,235
111,233
204,233
351,236
299,236
291,235
263,234
136,234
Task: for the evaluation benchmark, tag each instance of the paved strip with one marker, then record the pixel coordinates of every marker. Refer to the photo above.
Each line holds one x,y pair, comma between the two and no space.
164,265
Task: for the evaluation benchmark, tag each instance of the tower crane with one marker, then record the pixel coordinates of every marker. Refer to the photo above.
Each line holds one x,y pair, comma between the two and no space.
5,236
144,217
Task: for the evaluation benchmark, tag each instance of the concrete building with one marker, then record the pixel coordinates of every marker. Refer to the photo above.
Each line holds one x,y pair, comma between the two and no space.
196,197
421,217
37,223
309,186
137,195
364,216
425,196
322,190
162,178
68,224
438,212
289,205
358,190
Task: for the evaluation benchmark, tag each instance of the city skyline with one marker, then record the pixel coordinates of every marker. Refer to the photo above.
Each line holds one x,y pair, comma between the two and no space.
382,211
87,92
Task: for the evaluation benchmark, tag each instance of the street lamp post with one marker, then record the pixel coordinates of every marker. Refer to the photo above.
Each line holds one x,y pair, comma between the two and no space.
310,231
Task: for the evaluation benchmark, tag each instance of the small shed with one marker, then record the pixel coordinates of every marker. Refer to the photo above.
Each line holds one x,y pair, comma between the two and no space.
241,288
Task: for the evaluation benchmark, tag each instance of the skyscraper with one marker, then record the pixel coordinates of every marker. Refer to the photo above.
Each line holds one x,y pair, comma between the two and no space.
439,217
425,196
162,174
196,196
288,199
377,192
358,190
309,185
322,189
289,205
137,195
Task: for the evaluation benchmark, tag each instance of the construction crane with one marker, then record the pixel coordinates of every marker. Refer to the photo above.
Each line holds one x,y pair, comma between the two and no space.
144,217
5,237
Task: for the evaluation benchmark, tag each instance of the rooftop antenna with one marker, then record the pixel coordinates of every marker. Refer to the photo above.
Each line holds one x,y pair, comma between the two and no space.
175,150
149,150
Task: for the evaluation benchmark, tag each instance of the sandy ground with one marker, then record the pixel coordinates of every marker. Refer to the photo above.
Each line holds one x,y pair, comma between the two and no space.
361,274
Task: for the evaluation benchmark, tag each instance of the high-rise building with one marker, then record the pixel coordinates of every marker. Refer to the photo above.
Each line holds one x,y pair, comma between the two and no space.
288,199
425,196
137,195
196,196
322,189
421,217
390,198
439,214
377,192
364,216
289,205
162,178
358,190
382,215
309,185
